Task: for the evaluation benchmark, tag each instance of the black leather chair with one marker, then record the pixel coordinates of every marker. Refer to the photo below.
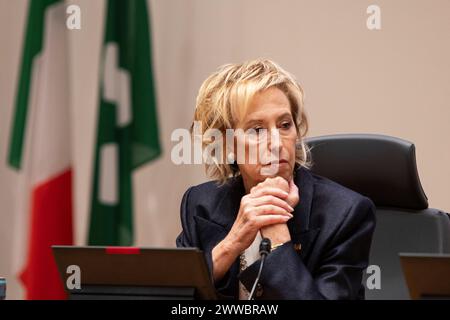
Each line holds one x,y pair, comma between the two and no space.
384,169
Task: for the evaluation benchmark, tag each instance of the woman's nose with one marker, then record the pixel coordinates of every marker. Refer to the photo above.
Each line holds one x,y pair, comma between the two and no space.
274,141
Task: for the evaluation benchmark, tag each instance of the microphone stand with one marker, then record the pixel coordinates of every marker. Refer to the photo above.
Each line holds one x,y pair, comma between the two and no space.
264,250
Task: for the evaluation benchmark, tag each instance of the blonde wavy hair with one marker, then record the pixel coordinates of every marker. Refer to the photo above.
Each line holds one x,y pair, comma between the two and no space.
225,95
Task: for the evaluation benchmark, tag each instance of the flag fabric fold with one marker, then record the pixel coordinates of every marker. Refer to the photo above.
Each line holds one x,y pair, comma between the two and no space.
40,151
127,129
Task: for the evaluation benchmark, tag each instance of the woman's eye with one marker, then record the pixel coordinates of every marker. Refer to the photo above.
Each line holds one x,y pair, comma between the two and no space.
286,125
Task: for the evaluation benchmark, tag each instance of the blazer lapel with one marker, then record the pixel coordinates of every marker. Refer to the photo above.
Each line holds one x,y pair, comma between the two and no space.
226,211
302,236
210,232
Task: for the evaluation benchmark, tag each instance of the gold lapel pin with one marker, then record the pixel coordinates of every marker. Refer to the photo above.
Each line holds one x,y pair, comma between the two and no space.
298,246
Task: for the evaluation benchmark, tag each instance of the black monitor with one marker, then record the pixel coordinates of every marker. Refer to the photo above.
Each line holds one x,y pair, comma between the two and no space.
134,273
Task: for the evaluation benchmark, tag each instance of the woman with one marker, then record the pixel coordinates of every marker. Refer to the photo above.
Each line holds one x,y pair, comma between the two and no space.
320,231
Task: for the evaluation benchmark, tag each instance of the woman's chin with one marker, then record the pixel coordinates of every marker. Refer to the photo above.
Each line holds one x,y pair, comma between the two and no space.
272,171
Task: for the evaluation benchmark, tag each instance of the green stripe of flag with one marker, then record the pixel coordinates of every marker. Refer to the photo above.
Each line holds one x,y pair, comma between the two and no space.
123,145
32,47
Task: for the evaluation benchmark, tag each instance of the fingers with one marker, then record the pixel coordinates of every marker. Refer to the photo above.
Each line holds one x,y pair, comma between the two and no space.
277,182
266,220
270,199
270,209
277,192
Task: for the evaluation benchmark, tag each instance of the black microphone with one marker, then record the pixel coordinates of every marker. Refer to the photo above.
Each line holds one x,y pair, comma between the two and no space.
265,246
264,250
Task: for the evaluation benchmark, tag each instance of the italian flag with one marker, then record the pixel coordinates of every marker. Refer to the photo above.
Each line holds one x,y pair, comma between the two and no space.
127,132
40,150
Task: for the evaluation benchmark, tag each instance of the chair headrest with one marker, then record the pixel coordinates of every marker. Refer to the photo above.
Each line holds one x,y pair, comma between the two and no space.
380,167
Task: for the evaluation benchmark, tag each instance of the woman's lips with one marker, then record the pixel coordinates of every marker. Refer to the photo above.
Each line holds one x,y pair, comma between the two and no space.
277,162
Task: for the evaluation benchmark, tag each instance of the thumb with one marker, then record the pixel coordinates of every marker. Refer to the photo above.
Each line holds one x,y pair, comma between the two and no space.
293,196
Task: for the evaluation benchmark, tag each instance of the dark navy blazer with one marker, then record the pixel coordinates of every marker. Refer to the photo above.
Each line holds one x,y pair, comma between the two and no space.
333,225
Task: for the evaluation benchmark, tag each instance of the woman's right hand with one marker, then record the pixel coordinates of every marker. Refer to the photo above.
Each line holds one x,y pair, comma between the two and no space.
261,207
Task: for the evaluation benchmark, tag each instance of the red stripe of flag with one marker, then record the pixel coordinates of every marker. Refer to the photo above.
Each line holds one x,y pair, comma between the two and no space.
51,224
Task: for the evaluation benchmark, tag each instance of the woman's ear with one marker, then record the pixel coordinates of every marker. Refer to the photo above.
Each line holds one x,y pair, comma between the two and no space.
231,157
231,160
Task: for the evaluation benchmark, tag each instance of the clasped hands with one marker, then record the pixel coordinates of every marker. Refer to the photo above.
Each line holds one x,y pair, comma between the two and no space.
266,208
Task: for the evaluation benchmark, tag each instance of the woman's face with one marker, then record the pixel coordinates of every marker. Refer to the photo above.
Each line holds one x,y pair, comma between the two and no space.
273,136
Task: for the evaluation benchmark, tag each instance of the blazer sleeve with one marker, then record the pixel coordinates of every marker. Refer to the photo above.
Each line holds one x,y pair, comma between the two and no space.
189,238
339,275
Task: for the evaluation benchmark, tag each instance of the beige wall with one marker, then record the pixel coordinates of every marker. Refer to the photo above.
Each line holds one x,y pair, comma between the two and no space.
394,81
